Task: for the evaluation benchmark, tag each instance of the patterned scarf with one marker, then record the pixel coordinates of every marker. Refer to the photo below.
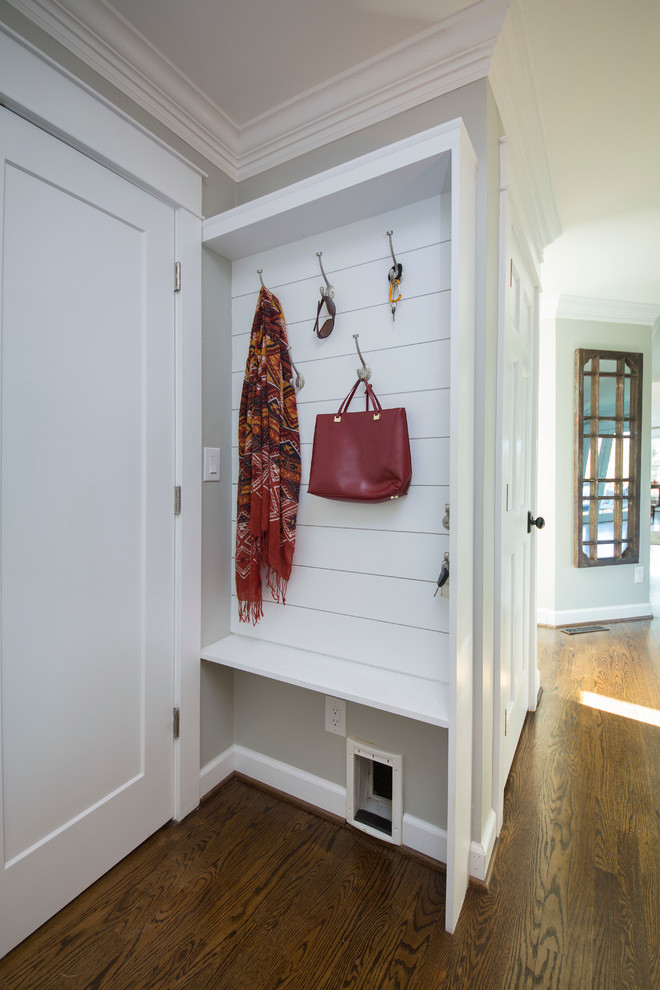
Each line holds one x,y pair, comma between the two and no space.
269,463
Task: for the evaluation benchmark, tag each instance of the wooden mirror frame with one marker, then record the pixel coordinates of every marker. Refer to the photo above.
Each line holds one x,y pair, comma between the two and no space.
619,424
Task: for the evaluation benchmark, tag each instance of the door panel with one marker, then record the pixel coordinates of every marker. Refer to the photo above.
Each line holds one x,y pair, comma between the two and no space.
87,464
517,654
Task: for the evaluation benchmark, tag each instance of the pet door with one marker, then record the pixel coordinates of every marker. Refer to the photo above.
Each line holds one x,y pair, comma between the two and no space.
374,791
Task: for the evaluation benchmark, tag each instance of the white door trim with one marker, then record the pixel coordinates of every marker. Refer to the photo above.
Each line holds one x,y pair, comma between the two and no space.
38,89
508,222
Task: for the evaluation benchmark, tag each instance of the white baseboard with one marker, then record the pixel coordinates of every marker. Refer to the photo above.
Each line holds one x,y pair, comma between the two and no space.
217,770
431,840
298,783
481,852
545,617
606,613
423,837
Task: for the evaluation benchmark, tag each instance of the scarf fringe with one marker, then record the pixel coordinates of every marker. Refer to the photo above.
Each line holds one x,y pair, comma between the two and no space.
250,612
277,585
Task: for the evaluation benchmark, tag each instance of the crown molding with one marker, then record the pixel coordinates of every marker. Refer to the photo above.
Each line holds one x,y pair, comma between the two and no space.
600,310
452,54
100,37
511,78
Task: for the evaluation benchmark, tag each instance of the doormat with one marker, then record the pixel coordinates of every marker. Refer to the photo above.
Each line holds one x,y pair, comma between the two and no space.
573,630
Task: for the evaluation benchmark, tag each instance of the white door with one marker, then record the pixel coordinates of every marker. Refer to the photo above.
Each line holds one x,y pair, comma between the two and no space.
87,460
517,634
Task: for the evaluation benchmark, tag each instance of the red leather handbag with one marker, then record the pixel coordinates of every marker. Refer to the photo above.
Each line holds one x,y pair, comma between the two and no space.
361,456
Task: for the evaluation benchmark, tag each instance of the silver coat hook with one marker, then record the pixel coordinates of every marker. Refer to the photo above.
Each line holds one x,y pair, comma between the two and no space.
363,373
298,382
260,272
389,236
396,271
329,290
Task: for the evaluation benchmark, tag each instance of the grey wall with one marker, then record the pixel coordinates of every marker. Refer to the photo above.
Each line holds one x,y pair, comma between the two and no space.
216,432
562,587
288,724
217,683
467,102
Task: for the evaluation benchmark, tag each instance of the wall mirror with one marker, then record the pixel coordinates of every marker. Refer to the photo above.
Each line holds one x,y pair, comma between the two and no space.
608,422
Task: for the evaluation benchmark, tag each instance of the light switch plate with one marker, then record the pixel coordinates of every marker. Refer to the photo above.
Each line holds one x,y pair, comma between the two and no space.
211,464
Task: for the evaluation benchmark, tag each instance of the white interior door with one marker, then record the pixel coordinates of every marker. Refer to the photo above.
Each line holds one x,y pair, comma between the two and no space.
517,634
87,460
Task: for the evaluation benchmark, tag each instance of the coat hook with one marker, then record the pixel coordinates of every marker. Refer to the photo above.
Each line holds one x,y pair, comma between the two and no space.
260,272
389,235
298,382
363,373
394,277
329,290
396,271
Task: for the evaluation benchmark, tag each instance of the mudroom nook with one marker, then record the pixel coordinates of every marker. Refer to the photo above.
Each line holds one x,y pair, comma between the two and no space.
365,619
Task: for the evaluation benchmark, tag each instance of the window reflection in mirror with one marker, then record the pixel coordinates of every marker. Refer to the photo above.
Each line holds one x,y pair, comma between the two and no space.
608,413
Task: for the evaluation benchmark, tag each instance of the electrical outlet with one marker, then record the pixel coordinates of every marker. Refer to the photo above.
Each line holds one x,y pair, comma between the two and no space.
335,716
639,575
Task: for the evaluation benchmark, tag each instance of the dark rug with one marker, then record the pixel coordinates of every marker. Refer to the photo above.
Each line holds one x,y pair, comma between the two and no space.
574,630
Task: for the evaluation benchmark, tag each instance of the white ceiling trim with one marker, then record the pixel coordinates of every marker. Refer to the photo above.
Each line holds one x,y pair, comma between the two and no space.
435,62
102,39
599,310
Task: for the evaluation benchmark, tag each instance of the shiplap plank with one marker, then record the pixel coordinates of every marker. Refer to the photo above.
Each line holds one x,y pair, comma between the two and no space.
425,222
417,367
406,555
398,601
430,462
417,556
356,289
418,320
421,511
427,412
381,645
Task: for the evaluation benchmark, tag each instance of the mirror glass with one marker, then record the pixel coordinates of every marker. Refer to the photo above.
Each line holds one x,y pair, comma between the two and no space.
608,396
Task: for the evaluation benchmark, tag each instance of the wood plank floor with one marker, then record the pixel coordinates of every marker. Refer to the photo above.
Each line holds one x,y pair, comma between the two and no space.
253,892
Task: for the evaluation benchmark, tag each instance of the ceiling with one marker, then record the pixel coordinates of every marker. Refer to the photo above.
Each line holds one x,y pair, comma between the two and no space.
260,81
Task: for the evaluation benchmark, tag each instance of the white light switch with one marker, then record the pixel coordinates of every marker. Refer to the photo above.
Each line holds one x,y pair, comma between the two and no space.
211,464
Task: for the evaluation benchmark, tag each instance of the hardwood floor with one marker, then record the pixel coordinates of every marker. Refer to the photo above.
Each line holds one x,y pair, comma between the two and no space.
254,893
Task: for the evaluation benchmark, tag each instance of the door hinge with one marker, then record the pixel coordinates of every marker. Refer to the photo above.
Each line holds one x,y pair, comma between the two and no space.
511,274
506,722
177,276
176,722
177,500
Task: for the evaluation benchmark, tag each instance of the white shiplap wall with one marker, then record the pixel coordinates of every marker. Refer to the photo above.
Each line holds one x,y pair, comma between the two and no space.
364,575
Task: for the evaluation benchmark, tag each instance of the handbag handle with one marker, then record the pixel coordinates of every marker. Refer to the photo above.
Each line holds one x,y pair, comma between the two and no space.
369,394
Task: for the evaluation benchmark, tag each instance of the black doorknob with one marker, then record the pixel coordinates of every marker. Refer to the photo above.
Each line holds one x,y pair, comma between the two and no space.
539,522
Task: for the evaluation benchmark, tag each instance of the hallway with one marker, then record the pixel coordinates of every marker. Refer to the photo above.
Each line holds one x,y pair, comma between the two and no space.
253,892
